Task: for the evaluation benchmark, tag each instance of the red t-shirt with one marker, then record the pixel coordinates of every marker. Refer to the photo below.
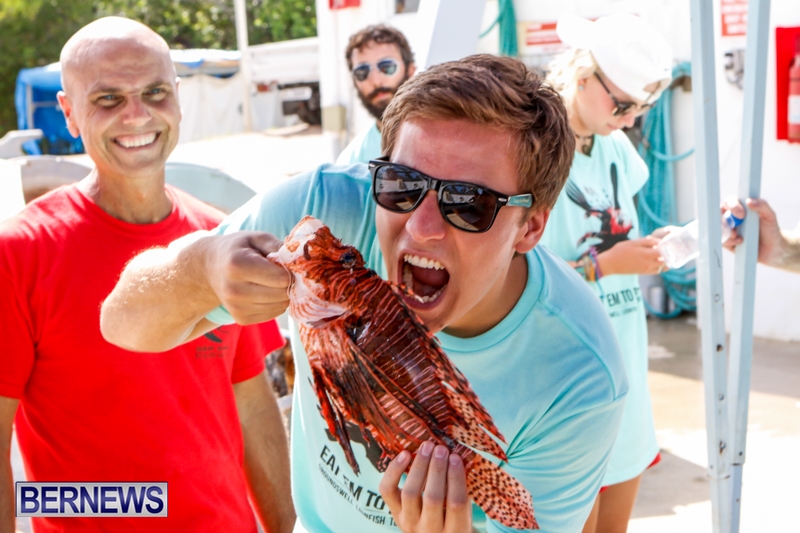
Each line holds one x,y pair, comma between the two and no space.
92,412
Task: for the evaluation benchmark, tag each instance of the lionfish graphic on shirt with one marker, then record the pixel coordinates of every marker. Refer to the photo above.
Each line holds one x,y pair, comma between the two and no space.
614,224
379,373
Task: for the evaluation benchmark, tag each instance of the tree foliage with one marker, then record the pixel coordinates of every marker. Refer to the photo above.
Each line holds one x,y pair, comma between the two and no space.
33,31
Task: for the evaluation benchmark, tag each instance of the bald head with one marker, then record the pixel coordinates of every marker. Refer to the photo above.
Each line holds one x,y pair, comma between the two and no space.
108,32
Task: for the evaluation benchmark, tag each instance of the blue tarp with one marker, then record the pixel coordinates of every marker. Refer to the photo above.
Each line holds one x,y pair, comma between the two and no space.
36,90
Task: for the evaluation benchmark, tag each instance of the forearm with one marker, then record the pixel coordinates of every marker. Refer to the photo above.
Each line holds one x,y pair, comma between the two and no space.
8,409
266,455
789,259
161,298
7,520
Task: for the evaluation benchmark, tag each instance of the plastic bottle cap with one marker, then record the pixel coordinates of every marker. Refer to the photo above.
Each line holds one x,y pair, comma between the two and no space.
731,220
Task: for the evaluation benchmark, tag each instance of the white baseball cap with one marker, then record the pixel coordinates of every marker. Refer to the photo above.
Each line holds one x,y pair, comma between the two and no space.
626,48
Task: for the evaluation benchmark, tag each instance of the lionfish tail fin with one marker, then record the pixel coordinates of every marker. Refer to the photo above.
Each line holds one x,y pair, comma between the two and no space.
501,497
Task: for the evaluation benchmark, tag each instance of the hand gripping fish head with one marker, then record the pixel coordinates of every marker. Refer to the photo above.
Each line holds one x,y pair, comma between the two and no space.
378,372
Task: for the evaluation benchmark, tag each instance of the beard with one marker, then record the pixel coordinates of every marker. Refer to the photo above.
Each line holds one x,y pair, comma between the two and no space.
377,109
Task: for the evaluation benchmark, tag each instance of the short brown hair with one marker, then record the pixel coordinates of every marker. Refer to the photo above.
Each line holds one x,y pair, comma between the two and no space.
380,34
499,92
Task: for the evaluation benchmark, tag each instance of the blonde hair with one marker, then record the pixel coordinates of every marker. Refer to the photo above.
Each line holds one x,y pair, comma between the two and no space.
565,71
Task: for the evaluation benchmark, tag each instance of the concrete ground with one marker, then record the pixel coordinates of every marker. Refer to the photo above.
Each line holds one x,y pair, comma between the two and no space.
674,495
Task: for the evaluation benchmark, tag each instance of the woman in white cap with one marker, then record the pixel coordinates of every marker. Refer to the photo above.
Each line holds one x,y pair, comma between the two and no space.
616,69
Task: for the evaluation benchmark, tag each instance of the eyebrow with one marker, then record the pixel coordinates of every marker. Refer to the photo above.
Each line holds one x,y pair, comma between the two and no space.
116,90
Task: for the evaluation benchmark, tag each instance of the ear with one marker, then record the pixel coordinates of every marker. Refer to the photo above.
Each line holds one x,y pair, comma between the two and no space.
178,97
66,108
411,69
533,227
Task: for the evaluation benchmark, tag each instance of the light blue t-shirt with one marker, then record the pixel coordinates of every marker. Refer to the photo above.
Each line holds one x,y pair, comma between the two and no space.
363,148
594,212
549,373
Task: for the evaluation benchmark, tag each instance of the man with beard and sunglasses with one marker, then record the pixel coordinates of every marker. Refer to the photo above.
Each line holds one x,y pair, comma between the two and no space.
380,61
477,151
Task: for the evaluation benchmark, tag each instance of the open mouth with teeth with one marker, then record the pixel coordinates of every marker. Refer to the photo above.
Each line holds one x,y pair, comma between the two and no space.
136,141
424,278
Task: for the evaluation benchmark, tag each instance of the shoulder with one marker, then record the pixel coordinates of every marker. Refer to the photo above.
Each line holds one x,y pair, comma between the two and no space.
576,310
338,195
199,213
364,146
43,217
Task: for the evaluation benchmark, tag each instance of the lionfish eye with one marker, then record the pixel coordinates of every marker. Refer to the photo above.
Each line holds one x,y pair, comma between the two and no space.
348,259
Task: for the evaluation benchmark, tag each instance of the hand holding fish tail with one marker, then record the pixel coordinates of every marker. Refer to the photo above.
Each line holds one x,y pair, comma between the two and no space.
434,496
251,287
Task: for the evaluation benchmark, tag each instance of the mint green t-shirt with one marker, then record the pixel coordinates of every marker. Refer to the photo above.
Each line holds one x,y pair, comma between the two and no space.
593,211
364,147
549,373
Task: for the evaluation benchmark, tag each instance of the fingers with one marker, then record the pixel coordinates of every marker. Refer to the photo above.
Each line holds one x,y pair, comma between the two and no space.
732,204
415,481
434,496
459,510
763,209
388,487
251,287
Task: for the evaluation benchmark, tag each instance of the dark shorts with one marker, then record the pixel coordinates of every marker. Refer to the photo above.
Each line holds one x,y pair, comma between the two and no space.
654,463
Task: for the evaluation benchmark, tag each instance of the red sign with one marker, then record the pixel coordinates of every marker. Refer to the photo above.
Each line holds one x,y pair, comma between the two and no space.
538,33
341,4
734,17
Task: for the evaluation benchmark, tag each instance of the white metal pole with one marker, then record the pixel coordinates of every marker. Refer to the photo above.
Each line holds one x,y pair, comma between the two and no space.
243,44
755,74
709,265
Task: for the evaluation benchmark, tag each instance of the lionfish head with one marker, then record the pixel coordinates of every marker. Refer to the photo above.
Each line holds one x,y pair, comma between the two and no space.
318,263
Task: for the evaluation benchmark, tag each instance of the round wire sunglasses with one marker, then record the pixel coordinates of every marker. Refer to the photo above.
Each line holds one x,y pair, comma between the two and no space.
466,206
387,67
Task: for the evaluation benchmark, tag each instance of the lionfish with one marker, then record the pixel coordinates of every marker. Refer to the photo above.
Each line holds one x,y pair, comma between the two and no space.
376,367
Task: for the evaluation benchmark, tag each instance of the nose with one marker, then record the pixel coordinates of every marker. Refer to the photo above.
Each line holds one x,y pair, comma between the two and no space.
375,75
426,222
628,120
136,113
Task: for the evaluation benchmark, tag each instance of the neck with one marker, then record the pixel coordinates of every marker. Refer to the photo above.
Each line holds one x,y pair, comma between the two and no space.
136,201
577,125
506,295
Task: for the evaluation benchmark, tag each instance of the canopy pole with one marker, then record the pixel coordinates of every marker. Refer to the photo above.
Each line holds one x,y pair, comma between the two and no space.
243,44
755,76
709,265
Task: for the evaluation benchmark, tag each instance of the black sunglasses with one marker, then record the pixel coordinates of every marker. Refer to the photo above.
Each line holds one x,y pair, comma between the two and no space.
386,66
464,205
623,108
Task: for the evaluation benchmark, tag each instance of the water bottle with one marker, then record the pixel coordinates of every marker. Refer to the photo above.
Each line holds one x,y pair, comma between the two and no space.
680,246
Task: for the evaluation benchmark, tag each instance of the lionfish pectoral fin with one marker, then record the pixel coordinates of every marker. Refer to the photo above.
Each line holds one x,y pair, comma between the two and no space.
501,497
335,420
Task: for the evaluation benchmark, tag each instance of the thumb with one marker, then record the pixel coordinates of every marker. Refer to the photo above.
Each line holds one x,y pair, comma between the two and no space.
265,243
763,209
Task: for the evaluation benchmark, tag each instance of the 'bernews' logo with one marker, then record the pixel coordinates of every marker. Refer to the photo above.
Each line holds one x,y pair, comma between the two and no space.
91,499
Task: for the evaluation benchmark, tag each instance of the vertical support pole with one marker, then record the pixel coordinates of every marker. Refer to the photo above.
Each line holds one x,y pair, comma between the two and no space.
243,43
755,75
709,267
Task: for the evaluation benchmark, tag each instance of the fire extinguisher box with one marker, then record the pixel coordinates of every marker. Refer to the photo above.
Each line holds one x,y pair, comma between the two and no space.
785,39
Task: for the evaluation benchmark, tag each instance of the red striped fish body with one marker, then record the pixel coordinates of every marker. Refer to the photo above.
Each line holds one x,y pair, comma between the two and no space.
377,368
